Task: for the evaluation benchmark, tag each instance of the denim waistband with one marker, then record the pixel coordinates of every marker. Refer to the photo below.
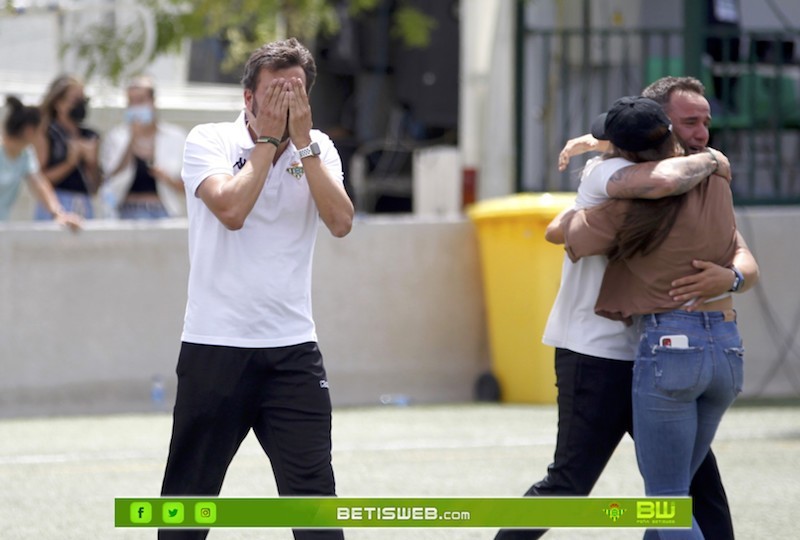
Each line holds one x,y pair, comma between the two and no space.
701,317
147,205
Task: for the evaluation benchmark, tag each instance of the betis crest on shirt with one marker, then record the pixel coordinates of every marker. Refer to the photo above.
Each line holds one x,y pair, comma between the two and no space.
296,170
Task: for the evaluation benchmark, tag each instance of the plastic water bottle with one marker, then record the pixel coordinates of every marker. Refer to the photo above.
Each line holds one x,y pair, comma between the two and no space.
109,204
157,392
398,400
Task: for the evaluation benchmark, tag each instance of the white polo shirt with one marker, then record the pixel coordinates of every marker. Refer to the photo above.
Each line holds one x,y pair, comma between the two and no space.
252,287
573,324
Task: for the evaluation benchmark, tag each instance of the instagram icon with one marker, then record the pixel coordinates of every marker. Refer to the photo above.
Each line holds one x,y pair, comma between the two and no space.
205,512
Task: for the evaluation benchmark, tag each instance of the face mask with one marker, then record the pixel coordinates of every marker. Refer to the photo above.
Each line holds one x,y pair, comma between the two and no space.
78,112
139,114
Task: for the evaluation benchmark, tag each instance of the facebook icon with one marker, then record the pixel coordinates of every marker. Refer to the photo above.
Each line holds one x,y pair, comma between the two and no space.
141,512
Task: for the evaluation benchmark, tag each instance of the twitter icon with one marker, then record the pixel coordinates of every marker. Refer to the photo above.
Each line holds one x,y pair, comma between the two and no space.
172,512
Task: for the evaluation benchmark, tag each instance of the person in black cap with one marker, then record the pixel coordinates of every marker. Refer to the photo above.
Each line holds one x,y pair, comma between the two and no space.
635,124
689,365
594,355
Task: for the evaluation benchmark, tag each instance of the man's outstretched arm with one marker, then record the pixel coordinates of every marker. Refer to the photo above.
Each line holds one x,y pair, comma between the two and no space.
666,178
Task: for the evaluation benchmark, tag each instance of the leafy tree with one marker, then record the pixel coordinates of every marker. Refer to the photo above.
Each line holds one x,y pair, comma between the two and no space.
112,48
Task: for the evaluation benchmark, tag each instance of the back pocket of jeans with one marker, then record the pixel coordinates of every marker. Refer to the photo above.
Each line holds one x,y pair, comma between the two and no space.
735,356
677,370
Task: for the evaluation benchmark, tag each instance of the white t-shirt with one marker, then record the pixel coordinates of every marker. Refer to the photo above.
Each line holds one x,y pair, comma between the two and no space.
573,324
252,287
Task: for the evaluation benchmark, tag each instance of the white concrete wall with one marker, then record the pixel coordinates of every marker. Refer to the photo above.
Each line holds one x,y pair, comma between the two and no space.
770,313
486,100
87,320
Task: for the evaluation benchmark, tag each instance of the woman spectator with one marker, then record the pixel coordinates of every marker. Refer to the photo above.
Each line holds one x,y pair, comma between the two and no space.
142,160
68,151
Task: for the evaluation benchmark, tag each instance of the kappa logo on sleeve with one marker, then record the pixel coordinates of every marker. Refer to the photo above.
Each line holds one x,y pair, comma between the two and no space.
323,384
239,165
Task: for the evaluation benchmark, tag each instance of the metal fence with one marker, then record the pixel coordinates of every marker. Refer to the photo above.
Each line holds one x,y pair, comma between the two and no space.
752,81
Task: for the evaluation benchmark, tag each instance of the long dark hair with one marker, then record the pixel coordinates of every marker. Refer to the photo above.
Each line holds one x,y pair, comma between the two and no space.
648,221
20,116
55,93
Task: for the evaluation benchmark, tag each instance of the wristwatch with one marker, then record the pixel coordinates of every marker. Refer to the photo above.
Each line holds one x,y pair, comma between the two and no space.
738,279
310,150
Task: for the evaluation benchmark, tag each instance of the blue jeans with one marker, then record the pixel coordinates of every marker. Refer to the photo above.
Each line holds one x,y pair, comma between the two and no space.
679,397
142,210
71,201
594,414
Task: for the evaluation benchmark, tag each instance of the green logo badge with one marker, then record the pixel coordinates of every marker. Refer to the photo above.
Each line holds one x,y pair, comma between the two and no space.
655,510
172,512
141,512
205,512
296,170
614,512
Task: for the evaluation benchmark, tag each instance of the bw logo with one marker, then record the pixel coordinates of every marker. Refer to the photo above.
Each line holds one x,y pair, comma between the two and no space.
655,510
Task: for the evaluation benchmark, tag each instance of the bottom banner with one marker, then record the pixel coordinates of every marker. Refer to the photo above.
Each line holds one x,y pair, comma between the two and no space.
392,512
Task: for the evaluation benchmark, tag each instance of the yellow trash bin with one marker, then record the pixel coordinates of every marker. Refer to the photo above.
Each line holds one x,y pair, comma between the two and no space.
521,276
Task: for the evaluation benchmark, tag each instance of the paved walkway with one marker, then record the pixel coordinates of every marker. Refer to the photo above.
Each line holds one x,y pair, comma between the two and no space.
59,476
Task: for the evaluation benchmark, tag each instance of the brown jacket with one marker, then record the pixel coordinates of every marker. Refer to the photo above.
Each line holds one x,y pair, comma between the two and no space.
704,229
